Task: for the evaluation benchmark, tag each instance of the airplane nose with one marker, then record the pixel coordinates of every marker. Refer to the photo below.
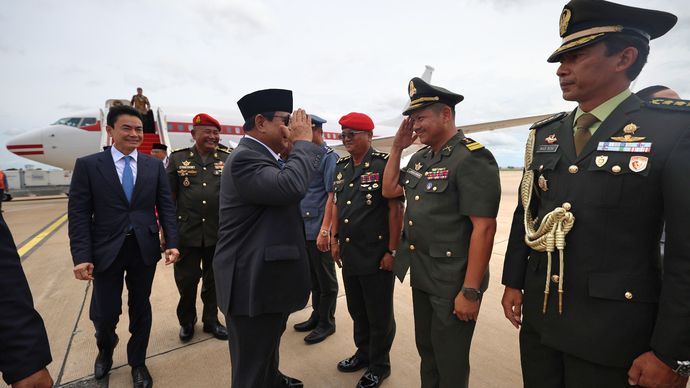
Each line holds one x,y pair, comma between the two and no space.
28,145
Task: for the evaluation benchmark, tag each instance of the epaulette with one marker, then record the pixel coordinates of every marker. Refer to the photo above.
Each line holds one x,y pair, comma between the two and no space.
224,149
472,145
180,149
329,149
343,159
380,155
548,120
669,104
423,150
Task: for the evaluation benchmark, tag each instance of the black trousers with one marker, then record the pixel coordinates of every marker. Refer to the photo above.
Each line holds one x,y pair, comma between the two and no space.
546,367
324,285
370,303
196,263
254,349
106,301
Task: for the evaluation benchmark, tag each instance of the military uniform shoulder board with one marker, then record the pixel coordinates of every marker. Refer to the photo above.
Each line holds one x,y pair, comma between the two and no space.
329,149
180,150
224,149
344,159
548,120
669,104
423,150
472,145
380,155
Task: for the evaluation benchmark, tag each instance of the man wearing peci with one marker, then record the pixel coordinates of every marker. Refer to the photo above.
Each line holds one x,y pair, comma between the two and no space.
114,236
582,274
261,264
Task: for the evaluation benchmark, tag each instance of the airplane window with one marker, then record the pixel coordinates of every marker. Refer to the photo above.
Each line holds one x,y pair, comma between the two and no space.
73,121
88,121
170,127
62,121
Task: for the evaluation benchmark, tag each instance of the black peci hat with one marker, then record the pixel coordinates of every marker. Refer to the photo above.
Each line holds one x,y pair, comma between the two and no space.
263,101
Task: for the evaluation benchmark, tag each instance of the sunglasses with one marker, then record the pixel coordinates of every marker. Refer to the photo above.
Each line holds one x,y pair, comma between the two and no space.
350,134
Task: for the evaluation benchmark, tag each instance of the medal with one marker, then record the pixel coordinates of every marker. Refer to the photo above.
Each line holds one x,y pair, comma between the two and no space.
638,163
601,160
186,182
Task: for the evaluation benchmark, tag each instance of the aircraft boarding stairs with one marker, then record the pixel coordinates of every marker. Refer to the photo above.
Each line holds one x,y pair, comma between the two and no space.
158,135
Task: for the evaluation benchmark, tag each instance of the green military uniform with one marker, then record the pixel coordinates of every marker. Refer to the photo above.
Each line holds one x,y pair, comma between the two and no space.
443,190
363,235
195,183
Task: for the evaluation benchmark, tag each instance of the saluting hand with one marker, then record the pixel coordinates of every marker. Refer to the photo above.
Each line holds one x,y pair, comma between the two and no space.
171,256
300,126
405,135
83,271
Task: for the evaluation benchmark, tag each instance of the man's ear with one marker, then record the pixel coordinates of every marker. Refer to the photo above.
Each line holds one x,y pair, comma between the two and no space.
626,58
259,122
109,129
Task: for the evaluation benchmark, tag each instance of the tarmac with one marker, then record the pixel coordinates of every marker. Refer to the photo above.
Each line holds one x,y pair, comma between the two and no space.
40,231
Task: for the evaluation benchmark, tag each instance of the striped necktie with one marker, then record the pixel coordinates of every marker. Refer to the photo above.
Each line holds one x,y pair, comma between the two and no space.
128,179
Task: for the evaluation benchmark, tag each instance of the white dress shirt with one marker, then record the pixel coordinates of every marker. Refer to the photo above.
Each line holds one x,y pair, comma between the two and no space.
119,159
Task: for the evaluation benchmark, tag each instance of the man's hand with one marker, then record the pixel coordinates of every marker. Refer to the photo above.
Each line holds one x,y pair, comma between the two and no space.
512,305
405,136
335,252
648,371
83,271
300,126
171,256
322,243
386,262
40,379
465,309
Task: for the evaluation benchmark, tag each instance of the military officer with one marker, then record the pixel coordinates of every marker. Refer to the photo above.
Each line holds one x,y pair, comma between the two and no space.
194,175
366,233
581,273
453,190
316,209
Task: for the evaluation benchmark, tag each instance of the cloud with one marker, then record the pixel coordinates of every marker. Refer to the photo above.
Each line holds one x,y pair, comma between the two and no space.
73,107
245,16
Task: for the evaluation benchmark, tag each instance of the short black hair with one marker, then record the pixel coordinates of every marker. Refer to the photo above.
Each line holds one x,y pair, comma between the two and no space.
649,92
251,122
119,110
616,43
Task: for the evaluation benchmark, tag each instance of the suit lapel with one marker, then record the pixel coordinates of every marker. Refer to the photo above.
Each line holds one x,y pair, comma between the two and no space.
106,166
612,125
258,147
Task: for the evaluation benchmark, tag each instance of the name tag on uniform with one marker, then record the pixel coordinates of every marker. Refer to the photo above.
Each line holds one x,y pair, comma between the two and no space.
414,173
547,148
615,146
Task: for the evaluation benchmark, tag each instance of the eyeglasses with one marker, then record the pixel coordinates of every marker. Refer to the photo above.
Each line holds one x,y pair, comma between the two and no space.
350,134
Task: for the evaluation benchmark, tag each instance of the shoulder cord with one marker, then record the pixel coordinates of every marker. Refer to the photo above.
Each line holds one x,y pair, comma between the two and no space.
550,234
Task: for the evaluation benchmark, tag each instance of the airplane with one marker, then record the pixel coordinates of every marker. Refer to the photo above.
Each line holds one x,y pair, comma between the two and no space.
62,142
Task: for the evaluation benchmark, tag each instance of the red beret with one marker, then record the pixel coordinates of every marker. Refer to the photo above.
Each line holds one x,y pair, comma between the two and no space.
204,119
357,121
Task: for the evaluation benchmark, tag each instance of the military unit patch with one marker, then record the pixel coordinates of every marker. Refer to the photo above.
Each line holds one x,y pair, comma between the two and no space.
624,147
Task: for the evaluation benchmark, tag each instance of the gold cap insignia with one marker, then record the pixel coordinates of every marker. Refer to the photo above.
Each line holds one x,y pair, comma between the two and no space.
198,120
565,19
186,162
601,160
413,90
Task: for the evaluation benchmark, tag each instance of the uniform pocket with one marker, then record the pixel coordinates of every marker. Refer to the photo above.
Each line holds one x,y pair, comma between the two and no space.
626,289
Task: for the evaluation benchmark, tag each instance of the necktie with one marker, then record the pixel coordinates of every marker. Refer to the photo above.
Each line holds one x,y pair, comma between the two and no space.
582,134
281,163
128,179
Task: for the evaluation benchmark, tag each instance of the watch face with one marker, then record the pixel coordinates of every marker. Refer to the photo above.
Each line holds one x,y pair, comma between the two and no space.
470,294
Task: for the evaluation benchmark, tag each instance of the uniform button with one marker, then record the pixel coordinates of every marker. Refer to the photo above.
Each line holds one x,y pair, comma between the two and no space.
204,168
435,188
573,169
352,185
407,181
346,221
416,197
449,253
380,237
204,184
410,222
616,169
204,202
541,167
369,202
349,202
203,220
308,213
628,295
347,239
411,247
555,278
179,217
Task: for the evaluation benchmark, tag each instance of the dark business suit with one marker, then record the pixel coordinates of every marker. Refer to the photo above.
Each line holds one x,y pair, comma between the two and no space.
261,265
118,237
618,303
24,348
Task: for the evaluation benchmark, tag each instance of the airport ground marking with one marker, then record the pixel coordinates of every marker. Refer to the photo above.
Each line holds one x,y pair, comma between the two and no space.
29,246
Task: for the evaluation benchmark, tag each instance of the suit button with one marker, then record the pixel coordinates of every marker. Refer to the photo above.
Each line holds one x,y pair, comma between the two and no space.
628,295
555,278
346,221
347,239
352,185
204,184
411,247
616,169
410,222
573,169
449,253
416,197
204,202
349,202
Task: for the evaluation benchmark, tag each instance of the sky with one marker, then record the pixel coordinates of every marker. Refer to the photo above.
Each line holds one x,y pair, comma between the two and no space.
58,58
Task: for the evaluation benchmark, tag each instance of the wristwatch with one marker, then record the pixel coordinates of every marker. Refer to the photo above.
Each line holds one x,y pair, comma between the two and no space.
683,368
324,232
472,294
391,252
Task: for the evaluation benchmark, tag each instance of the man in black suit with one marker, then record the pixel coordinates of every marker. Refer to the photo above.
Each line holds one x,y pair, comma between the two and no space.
24,348
114,236
261,265
581,270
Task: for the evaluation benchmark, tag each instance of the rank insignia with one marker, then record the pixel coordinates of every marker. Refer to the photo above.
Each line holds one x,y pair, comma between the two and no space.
186,182
638,163
447,149
437,173
551,138
186,163
339,176
542,182
417,166
601,160
629,131
369,177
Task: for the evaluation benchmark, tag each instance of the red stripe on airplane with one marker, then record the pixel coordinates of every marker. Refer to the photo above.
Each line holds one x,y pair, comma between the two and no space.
28,152
21,146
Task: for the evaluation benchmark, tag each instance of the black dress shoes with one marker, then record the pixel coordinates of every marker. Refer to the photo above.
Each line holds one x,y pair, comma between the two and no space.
219,331
104,361
290,382
141,377
352,364
186,332
319,334
308,325
372,380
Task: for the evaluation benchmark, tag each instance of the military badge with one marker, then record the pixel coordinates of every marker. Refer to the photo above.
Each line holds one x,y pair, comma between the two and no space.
629,131
417,166
551,138
447,149
565,19
369,202
198,119
339,176
412,89
542,182
219,165
186,182
368,196
625,147
601,160
638,163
